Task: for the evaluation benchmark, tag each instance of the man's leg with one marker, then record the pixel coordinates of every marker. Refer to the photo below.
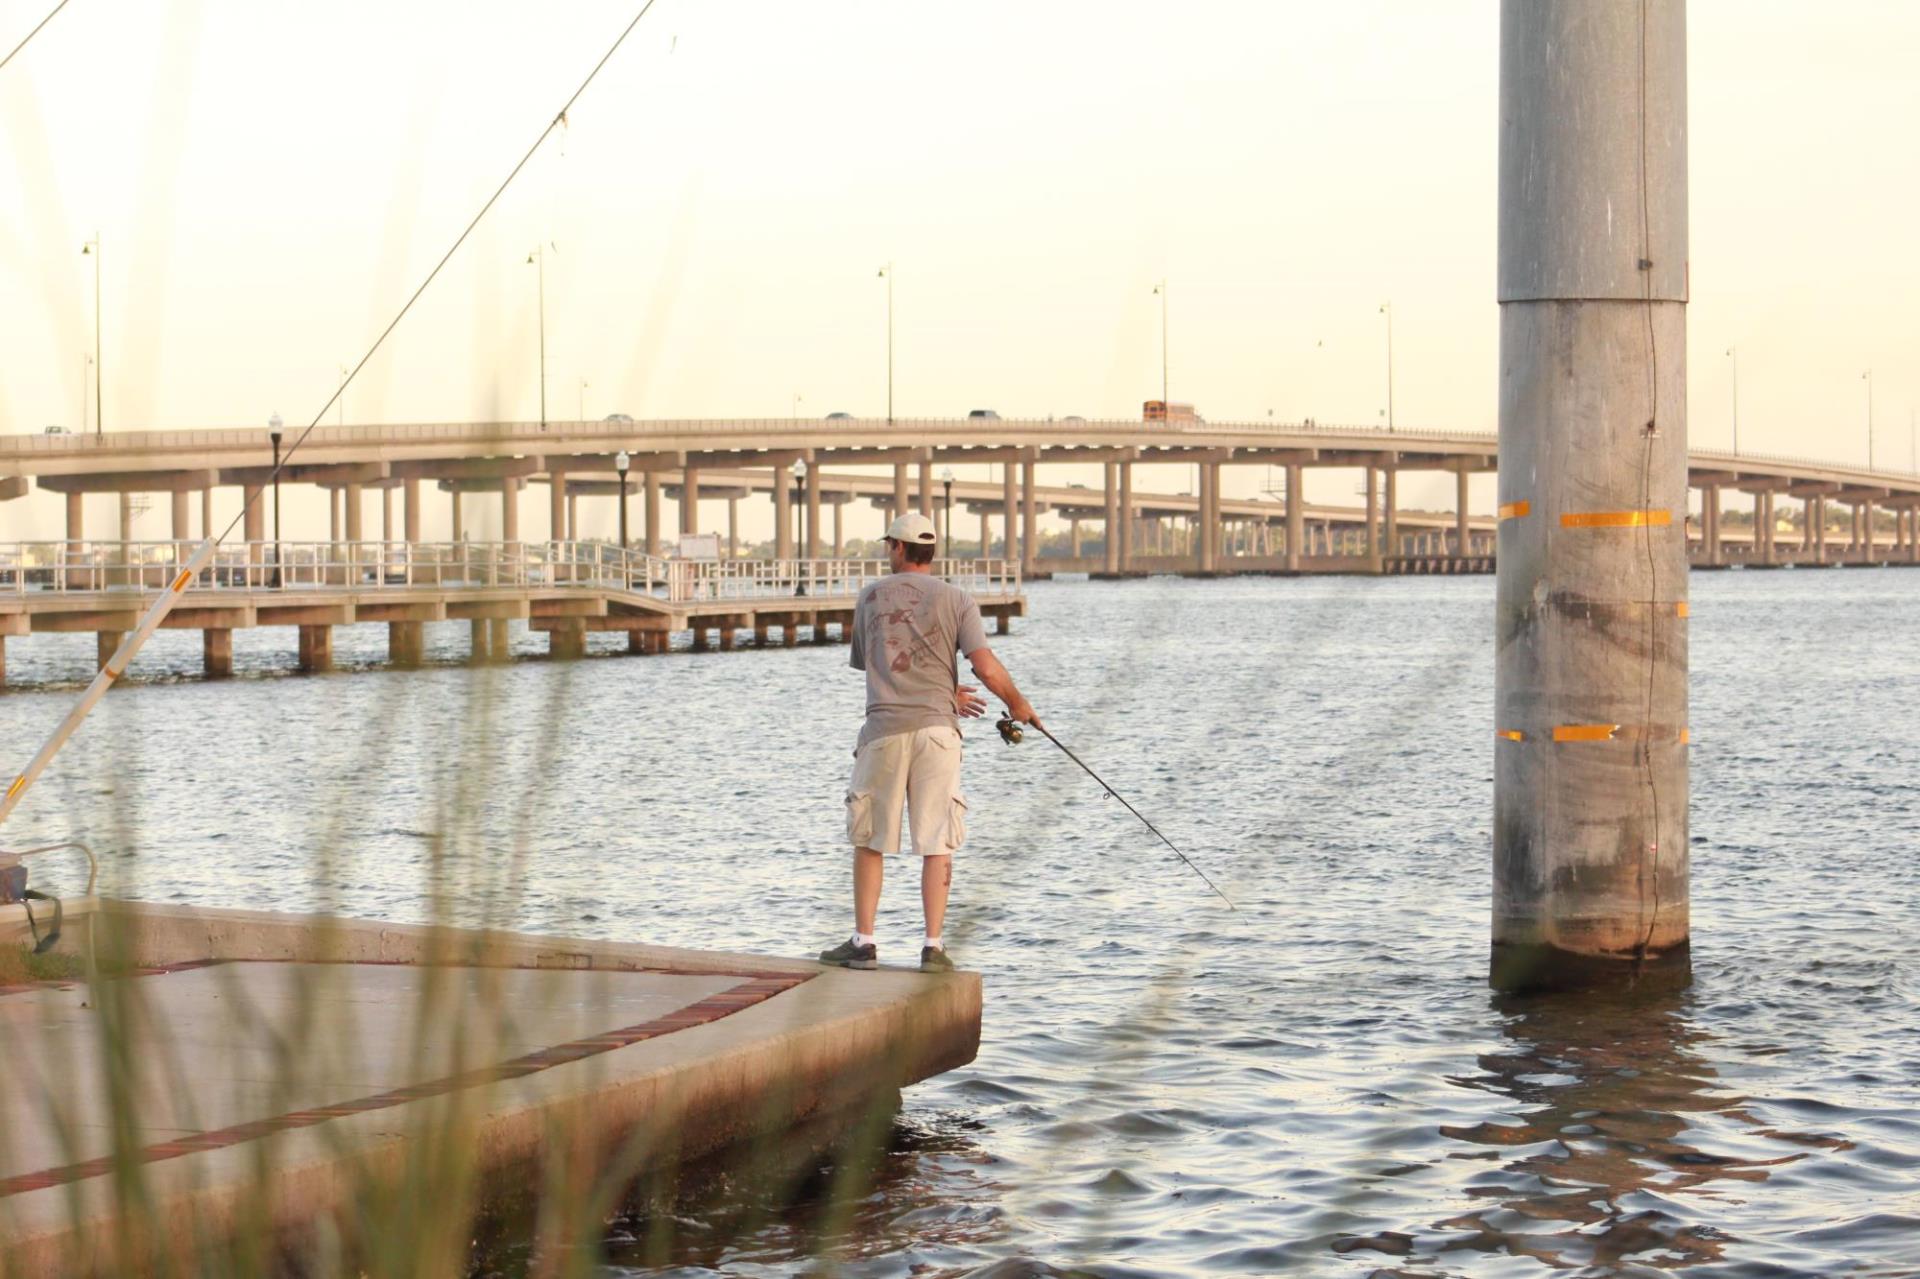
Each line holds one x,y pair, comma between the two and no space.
936,878
869,866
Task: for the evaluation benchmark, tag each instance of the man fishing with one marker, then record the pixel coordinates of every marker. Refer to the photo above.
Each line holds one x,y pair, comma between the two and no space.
907,629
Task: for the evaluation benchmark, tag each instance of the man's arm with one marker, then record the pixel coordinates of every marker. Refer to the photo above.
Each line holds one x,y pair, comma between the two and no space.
991,673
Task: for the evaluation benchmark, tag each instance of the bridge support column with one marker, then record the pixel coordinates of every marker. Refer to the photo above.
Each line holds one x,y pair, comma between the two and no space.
1461,539
1590,876
1710,523
253,530
406,643
926,487
1110,538
386,514
410,510
1763,504
509,509
1392,501
1867,533
733,528
1009,495
316,647
1126,517
182,517
457,525
557,505
782,516
1029,515
105,645
1372,540
840,530
1296,516
690,500
216,652
636,641
499,642
206,512
813,512
651,502
986,535
1205,526
1818,509
478,633
567,643
124,574
1073,534
902,492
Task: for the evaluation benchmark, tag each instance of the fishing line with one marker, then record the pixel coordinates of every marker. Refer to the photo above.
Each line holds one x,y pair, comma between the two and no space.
203,554
1649,858
31,34
1010,732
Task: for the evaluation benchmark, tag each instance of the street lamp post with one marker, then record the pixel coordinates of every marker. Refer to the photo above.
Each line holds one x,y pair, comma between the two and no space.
1867,377
539,260
583,399
798,399
343,396
1733,353
92,249
946,538
1386,309
1160,291
886,273
799,473
273,433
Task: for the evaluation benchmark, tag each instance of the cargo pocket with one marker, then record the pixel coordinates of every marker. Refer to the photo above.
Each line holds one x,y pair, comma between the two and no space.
956,832
860,818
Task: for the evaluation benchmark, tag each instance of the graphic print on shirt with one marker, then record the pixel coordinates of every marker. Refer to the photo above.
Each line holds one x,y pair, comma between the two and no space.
906,644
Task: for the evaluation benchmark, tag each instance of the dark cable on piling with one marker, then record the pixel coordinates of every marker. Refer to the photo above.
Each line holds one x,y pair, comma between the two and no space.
31,34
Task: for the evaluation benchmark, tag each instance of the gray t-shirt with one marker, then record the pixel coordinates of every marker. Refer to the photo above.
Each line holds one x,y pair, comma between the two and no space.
907,630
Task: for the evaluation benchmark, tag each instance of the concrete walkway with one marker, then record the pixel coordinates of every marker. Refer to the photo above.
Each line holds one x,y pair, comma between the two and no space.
270,1075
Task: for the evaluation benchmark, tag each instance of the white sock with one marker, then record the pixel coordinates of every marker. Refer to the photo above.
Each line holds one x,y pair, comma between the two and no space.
931,943
862,939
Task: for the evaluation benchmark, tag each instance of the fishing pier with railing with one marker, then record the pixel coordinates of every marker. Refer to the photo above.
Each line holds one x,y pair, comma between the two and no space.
564,589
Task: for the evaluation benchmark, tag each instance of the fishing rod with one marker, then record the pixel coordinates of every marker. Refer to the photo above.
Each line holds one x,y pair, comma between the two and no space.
1010,733
196,563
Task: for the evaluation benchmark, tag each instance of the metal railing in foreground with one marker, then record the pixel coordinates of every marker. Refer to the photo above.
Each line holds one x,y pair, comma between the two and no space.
36,568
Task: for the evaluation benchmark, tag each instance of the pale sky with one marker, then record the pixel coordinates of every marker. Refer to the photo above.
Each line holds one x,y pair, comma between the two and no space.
270,179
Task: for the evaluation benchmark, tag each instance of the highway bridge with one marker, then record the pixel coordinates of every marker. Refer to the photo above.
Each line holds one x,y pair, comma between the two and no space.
1794,500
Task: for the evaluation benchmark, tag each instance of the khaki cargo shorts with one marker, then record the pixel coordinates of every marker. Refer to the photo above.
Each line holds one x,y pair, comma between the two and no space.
916,774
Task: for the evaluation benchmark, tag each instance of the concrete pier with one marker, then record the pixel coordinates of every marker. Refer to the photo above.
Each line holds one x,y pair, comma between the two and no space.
246,1078
1590,785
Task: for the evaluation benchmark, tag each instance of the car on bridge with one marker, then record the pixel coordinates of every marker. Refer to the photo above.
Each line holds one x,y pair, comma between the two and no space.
839,417
622,418
985,415
1171,414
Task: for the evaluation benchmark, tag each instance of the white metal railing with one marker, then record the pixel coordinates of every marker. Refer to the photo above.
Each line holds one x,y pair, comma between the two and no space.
32,568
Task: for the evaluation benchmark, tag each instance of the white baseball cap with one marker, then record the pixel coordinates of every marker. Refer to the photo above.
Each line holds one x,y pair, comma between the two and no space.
911,528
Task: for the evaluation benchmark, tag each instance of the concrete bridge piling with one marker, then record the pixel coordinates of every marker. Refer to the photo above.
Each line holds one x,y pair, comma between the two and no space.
1590,850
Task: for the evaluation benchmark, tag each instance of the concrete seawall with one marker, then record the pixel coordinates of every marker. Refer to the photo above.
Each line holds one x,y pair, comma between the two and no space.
272,1072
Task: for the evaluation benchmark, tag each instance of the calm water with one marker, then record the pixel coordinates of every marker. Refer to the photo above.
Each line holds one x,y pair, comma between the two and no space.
1321,1083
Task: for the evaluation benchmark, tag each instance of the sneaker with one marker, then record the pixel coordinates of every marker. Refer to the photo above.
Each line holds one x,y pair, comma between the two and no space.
933,960
848,955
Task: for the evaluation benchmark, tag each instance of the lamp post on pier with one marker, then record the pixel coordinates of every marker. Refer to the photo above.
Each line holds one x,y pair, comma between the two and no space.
799,473
620,464
273,433
1160,291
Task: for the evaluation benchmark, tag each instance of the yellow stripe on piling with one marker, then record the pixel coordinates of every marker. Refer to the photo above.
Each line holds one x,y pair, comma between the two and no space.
18,782
1514,510
1680,609
1616,519
1684,737
1584,732
1510,734
180,582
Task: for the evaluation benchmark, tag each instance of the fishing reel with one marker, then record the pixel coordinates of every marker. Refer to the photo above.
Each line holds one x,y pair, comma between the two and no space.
1010,731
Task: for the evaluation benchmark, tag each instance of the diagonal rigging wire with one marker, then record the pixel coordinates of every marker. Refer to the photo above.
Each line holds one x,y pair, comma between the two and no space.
26,39
117,664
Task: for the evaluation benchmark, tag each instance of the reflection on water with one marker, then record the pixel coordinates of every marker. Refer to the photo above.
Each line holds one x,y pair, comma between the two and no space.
1607,1092
1320,1084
